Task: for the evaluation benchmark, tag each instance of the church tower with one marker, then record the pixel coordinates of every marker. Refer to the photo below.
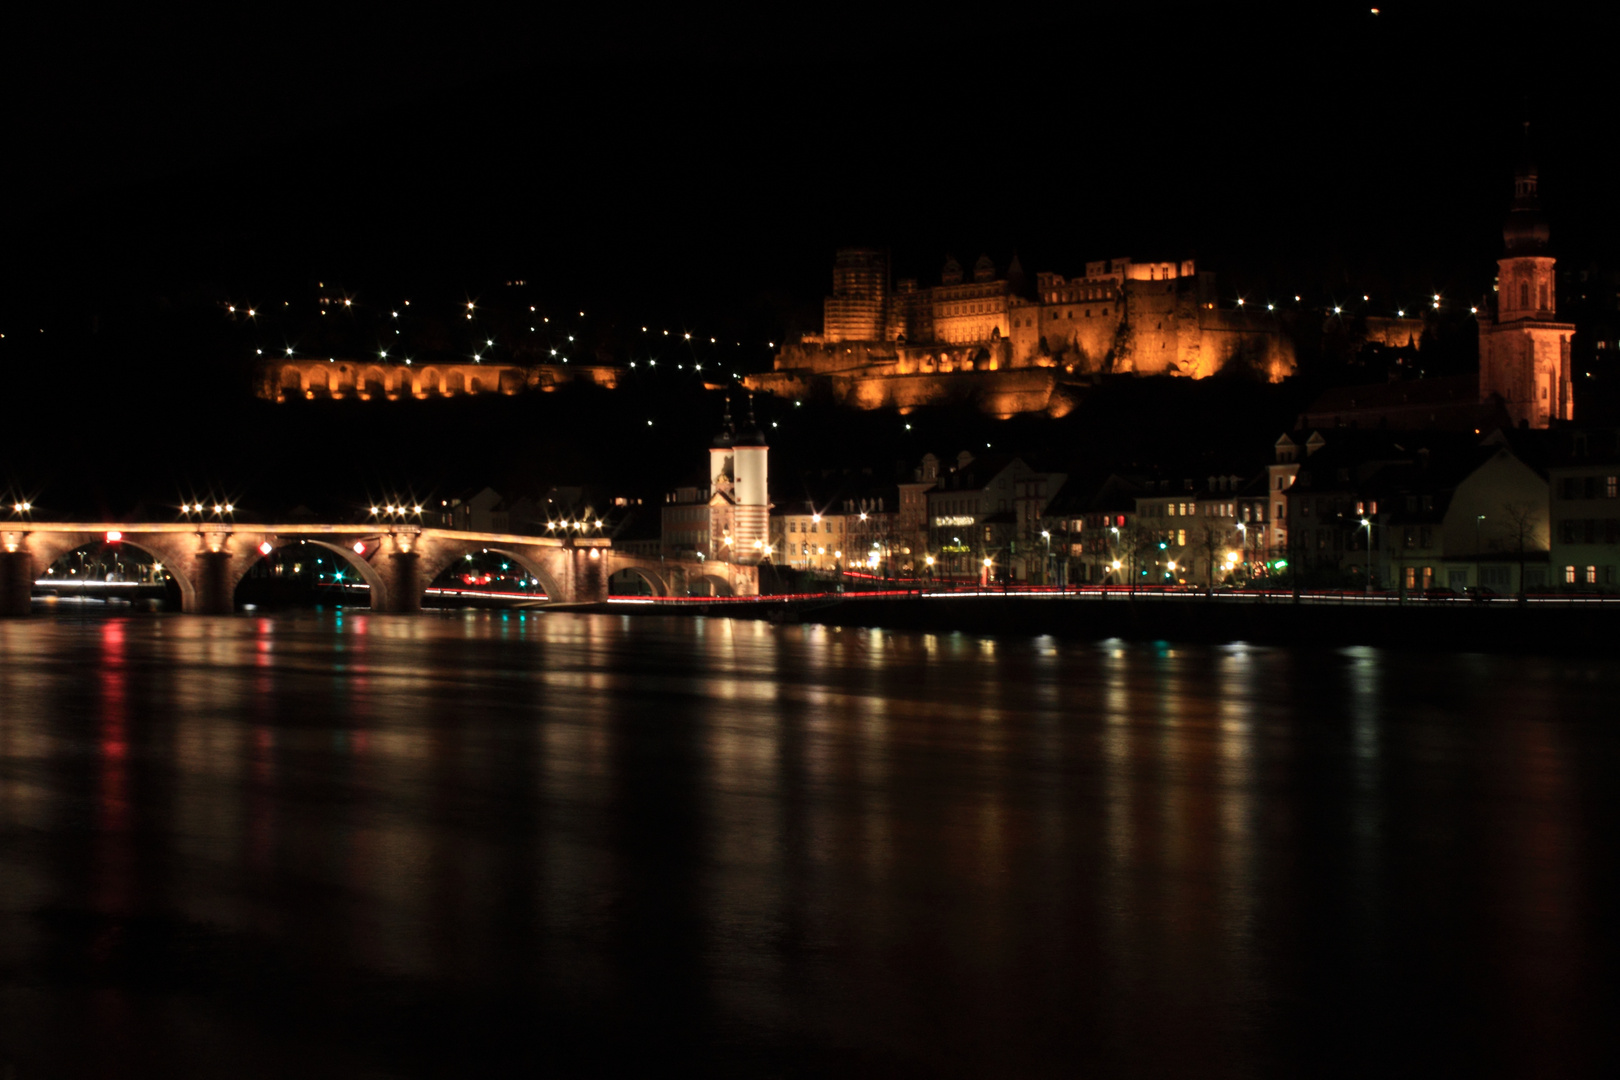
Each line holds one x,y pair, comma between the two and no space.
739,503
1524,351
752,512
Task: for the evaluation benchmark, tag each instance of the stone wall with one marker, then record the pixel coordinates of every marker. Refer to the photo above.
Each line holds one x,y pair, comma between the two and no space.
367,381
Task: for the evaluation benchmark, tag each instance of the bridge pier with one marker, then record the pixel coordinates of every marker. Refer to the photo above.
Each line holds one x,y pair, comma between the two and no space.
215,592
590,578
16,581
401,574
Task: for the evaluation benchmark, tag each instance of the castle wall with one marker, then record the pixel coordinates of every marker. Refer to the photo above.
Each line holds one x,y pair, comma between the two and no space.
1394,333
340,379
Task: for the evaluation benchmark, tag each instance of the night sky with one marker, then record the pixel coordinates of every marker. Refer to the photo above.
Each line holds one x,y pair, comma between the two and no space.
700,173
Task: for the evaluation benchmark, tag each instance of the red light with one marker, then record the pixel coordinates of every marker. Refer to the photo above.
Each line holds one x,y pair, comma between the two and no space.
113,536
359,547
266,548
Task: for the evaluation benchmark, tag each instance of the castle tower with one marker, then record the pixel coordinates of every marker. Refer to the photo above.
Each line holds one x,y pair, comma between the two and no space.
751,510
1524,351
858,308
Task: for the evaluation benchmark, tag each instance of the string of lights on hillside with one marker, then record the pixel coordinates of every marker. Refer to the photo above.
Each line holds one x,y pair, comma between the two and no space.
557,337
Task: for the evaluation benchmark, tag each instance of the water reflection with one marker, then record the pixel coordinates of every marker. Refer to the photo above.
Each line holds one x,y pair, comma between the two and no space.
768,848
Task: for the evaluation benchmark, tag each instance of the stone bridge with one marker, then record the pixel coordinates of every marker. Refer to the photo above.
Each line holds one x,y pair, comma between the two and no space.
396,562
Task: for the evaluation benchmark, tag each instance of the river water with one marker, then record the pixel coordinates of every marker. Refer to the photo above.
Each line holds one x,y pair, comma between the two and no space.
340,844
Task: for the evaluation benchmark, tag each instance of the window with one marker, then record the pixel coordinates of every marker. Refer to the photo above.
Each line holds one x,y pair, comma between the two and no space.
1282,511
1543,296
1590,577
1569,575
1612,487
1181,538
1411,577
1524,294
1428,577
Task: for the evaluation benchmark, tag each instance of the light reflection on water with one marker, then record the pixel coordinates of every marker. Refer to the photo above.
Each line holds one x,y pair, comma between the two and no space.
766,849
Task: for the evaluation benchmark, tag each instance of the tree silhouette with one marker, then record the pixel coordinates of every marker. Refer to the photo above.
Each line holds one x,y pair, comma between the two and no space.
1519,531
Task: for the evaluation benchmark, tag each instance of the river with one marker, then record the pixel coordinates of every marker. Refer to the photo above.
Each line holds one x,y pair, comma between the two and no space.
472,843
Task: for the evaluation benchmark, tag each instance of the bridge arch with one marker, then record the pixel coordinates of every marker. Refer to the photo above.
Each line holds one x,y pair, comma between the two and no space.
47,548
659,586
708,585
532,566
376,587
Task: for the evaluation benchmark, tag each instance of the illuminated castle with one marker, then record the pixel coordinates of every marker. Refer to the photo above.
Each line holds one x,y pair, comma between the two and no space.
1013,347
1524,351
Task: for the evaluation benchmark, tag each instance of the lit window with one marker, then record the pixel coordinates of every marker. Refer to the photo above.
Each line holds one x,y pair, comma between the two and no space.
1569,575
1612,486
1591,575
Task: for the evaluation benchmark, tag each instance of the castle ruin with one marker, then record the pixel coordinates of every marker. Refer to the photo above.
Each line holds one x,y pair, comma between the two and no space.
1014,348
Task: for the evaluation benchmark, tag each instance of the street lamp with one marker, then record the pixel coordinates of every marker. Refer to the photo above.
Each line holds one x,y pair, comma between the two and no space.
1368,523
1046,569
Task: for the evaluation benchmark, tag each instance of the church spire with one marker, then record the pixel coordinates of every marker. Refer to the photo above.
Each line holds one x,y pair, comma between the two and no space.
1525,230
728,432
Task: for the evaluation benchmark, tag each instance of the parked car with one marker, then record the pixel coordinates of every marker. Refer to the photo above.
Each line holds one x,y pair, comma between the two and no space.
1440,592
1481,592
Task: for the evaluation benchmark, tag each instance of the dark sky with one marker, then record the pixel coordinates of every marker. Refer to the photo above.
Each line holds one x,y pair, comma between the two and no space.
708,168
701,172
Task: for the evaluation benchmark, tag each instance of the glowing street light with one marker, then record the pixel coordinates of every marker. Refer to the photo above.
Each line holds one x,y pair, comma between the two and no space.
1367,524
